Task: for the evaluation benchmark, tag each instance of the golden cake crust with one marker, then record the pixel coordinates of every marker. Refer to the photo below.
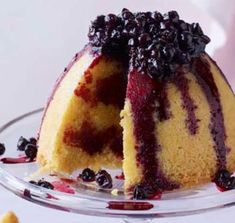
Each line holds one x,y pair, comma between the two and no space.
186,159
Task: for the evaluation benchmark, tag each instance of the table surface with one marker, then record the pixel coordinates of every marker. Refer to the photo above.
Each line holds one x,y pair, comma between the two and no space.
38,38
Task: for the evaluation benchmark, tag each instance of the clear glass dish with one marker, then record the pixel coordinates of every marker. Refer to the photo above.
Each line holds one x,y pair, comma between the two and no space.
86,198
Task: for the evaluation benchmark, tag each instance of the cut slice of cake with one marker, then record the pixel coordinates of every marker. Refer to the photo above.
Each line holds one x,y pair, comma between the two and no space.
177,122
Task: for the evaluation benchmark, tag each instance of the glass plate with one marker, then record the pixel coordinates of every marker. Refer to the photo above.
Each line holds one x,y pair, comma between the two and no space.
87,199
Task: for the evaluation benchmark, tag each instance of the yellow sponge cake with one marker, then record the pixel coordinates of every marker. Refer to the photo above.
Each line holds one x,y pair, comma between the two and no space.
82,118
145,96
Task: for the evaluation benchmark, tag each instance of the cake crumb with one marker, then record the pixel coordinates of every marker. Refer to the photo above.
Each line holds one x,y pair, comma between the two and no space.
9,217
114,192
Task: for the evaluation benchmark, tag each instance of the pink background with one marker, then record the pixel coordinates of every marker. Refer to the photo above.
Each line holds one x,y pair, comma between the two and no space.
38,39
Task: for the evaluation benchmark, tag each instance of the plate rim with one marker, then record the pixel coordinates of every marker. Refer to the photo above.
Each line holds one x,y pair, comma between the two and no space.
39,195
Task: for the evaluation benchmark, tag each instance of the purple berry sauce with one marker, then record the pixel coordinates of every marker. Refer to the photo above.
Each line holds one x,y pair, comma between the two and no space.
201,70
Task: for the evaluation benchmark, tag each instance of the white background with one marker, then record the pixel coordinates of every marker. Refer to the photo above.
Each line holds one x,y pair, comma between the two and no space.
37,40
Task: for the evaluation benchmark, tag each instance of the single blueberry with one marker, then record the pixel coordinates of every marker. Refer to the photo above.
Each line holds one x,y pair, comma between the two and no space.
45,184
104,179
31,151
196,29
126,14
22,143
87,175
139,193
33,141
173,16
2,149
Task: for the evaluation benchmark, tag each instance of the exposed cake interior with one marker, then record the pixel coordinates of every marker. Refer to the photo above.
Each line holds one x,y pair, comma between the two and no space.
176,128
82,119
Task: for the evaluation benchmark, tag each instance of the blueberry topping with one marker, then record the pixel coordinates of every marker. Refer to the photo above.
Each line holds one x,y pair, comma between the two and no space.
224,180
144,39
173,16
139,193
154,44
87,175
126,14
103,179
183,26
196,28
31,151
22,143
2,149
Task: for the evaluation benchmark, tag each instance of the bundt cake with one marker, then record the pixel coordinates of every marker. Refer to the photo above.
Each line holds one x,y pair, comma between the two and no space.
143,95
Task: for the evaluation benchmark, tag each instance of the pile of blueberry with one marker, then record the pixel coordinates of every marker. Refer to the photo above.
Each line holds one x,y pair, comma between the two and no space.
156,44
29,146
102,178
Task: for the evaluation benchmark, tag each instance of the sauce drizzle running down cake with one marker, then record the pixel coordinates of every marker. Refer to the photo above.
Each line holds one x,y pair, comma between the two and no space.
143,94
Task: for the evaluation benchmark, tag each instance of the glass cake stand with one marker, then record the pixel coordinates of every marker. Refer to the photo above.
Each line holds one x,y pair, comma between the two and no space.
78,197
